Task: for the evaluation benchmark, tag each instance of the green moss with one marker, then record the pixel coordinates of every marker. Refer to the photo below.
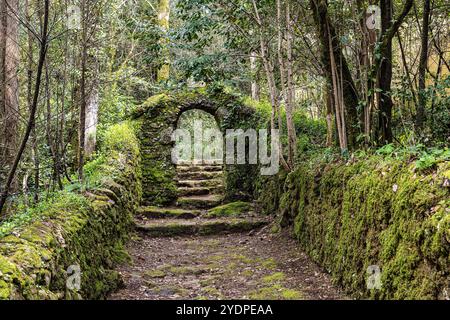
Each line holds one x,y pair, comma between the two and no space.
275,292
289,294
161,213
269,263
69,229
242,258
247,273
378,211
200,228
275,277
188,270
154,274
159,115
214,292
232,209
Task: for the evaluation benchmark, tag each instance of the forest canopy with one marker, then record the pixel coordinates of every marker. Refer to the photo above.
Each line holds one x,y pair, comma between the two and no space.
349,76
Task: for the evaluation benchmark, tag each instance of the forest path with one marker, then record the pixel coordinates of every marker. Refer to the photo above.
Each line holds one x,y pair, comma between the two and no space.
255,265
182,253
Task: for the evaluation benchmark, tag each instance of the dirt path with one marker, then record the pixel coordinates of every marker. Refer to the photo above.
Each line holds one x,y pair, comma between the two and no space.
254,265
183,252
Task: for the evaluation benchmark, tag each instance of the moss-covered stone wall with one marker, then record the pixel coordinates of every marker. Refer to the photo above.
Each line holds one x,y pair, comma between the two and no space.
85,229
158,117
375,212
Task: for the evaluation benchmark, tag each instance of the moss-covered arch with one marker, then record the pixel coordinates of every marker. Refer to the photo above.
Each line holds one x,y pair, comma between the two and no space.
158,117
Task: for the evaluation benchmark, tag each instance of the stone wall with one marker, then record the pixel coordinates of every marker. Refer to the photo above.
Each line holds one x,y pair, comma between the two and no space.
158,117
368,214
85,230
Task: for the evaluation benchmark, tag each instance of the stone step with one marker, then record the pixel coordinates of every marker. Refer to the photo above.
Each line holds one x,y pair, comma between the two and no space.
201,183
200,175
168,228
192,163
199,168
200,202
166,213
198,191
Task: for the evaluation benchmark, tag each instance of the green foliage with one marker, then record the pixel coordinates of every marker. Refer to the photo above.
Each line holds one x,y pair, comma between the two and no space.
119,144
438,119
189,119
426,157
432,157
52,206
386,149
120,138
198,24
86,229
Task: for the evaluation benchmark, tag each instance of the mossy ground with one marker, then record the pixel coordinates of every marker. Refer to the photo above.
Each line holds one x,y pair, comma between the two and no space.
222,267
233,209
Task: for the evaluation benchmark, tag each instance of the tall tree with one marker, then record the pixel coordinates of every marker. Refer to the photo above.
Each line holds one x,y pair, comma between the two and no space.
420,116
9,83
163,20
330,48
43,41
382,67
83,90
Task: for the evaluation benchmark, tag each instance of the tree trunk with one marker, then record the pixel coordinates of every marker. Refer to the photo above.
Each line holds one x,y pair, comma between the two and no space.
273,90
382,67
91,122
290,96
254,71
83,95
34,142
329,116
385,77
32,117
326,31
163,21
9,83
421,115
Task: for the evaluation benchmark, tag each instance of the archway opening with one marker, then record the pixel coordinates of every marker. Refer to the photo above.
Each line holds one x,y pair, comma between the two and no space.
198,155
199,140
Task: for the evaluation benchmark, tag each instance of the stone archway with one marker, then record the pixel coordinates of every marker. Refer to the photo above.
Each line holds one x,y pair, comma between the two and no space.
158,117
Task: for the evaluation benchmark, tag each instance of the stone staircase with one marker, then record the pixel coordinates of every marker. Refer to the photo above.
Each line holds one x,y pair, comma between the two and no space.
200,189
200,186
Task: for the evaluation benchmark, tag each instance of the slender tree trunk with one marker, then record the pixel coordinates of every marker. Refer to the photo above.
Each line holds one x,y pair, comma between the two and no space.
382,67
290,96
329,115
91,121
385,77
9,83
368,40
273,90
254,70
326,32
285,67
32,117
338,99
421,115
34,142
51,134
83,95
163,21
